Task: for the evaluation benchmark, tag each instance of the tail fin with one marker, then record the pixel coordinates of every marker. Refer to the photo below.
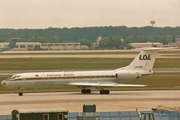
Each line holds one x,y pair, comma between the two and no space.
13,42
144,60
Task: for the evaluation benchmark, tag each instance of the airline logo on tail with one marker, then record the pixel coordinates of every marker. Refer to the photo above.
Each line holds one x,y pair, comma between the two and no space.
145,57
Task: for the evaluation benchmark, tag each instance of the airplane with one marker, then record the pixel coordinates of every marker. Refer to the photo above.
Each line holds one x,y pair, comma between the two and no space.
10,45
102,79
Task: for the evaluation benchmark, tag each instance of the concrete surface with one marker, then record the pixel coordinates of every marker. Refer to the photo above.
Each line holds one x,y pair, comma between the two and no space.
73,101
85,56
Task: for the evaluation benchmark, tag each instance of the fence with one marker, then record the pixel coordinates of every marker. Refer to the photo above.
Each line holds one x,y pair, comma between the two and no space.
5,117
129,115
165,115
119,115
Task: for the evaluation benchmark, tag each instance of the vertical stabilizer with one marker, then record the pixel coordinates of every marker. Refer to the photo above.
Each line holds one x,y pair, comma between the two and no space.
144,60
13,42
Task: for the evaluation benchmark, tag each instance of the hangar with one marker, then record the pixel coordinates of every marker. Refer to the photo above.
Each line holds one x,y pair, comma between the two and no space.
24,46
149,44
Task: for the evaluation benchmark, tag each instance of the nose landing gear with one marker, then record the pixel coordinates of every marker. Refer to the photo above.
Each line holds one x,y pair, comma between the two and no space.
20,93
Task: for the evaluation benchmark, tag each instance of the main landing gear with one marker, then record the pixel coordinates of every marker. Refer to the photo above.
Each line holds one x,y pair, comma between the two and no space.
88,91
104,92
85,91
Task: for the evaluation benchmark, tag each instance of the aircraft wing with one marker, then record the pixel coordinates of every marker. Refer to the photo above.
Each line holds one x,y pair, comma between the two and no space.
105,85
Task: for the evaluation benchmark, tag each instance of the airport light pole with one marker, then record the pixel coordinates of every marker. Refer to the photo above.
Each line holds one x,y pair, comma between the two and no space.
152,22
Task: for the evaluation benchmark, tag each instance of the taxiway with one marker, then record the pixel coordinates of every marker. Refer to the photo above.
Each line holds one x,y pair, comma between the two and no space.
73,101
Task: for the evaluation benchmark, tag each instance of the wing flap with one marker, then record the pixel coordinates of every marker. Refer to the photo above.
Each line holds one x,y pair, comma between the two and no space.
106,85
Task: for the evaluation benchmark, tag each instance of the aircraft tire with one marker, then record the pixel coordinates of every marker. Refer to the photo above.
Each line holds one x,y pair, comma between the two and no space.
20,94
88,91
83,91
106,91
102,91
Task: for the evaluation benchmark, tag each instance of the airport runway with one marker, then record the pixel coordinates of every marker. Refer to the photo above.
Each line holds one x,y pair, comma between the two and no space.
81,51
73,101
88,56
175,55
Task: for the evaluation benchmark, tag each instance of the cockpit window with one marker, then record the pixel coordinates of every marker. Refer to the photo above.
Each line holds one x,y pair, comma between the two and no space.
15,76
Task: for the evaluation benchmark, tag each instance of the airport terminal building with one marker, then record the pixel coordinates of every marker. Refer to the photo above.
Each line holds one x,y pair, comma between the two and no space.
25,46
140,45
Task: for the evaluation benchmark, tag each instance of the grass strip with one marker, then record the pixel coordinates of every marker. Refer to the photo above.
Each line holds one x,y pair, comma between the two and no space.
77,63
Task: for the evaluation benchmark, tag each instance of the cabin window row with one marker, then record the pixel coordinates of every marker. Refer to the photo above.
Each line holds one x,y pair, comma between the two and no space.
79,77
69,77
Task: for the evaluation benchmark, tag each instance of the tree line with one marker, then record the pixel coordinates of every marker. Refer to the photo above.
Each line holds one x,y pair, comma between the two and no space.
87,35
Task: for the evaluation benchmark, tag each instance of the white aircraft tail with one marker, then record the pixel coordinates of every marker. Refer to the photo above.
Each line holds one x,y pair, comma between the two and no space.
144,60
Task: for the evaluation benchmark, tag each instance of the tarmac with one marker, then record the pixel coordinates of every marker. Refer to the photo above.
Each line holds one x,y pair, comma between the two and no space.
73,101
87,56
14,54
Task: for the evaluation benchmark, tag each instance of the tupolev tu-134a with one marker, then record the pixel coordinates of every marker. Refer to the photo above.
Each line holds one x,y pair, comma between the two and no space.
102,79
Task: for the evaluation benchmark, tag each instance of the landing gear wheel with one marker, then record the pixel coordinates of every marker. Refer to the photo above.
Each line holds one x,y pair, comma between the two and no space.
106,91
20,94
102,91
83,91
88,91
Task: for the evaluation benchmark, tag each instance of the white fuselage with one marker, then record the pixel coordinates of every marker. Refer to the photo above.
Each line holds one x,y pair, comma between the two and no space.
44,79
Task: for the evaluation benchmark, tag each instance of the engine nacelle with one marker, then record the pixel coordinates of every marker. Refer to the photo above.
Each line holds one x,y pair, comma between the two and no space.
127,76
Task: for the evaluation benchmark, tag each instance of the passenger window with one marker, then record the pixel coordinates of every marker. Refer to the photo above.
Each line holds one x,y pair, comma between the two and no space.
60,116
46,117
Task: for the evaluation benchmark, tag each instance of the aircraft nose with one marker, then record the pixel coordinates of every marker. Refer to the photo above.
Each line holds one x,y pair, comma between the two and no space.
3,83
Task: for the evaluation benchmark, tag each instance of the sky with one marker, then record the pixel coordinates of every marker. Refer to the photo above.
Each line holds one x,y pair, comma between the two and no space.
35,14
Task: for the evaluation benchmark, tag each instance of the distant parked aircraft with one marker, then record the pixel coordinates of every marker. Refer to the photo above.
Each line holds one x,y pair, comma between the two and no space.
10,45
140,66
